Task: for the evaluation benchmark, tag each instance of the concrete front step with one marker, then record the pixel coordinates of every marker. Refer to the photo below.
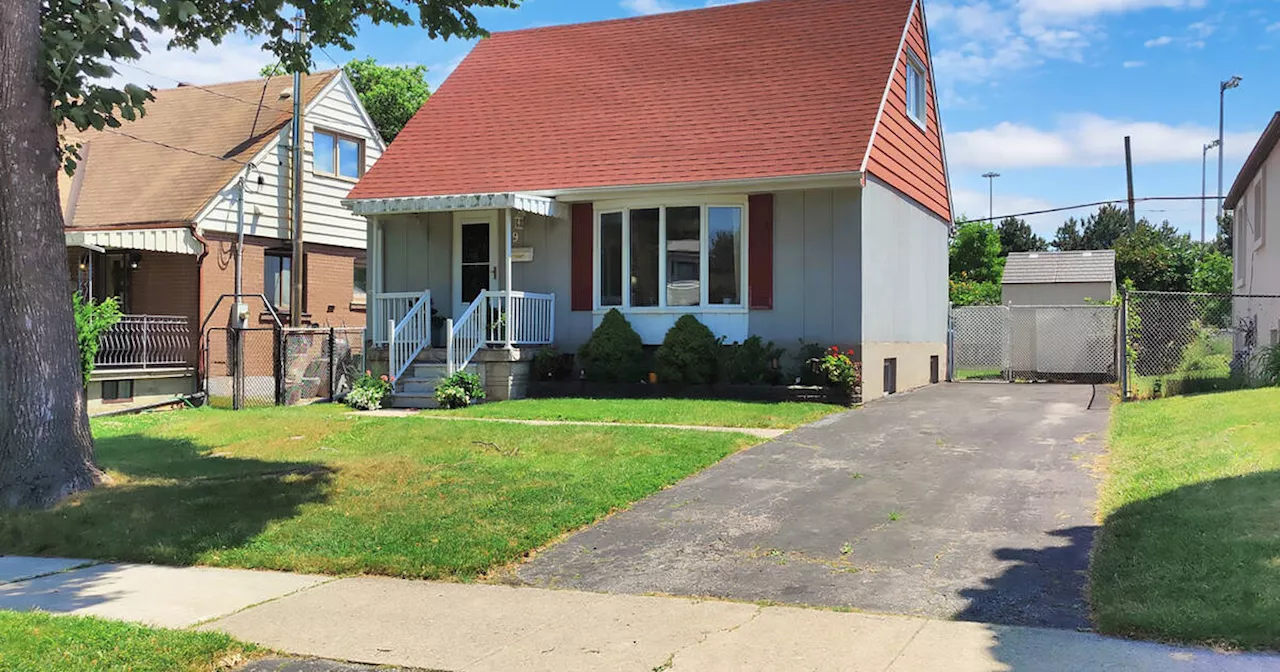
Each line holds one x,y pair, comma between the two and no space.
413,400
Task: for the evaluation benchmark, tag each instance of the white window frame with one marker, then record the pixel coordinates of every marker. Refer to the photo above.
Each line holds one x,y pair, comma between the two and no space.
625,207
338,136
914,64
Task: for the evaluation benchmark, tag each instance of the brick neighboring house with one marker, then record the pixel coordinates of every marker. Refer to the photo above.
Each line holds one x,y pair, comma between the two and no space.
151,218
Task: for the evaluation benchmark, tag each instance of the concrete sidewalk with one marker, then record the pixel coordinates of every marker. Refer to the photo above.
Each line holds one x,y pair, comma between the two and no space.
461,627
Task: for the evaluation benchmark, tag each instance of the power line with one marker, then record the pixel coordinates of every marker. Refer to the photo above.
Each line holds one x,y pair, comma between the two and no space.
176,148
208,90
1096,204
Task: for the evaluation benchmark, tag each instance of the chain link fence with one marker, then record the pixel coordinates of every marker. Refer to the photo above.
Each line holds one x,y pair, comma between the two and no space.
1184,343
1055,343
285,366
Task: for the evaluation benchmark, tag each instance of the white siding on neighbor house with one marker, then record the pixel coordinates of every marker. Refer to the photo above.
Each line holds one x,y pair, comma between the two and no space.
1257,250
325,219
904,271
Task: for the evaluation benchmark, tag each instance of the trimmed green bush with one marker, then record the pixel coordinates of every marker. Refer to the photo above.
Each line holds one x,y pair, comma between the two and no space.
92,321
689,354
753,362
614,353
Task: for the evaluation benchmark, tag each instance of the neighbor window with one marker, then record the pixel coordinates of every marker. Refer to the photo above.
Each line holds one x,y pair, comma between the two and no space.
359,282
278,278
336,154
677,256
916,91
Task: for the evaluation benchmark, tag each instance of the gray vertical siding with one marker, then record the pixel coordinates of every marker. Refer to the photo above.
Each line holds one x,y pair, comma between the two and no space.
904,256
550,272
817,264
417,251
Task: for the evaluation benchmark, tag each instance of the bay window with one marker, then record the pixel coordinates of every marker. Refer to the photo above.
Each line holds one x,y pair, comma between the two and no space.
671,258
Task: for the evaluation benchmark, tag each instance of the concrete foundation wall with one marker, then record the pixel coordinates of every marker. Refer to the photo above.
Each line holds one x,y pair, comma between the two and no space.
146,390
914,366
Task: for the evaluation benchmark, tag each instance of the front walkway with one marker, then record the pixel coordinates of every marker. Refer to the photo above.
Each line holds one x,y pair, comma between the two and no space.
466,627
397,413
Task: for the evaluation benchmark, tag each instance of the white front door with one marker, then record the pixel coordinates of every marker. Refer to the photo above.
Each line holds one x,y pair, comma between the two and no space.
475,257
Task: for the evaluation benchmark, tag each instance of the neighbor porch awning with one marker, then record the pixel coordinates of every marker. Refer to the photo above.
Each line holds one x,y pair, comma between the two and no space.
178,240
537,205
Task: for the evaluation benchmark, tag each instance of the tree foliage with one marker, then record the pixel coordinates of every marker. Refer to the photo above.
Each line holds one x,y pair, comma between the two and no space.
92,321
1016,236
1100,231
975,252
82,38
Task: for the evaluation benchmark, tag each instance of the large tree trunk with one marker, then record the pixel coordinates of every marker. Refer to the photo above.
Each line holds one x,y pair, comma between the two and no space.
46,451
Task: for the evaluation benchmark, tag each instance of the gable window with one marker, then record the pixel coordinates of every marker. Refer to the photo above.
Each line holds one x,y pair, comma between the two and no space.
338,155
916,91
278,278
678,257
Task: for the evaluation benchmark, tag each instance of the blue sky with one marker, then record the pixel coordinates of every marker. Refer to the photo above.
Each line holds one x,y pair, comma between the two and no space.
1042,91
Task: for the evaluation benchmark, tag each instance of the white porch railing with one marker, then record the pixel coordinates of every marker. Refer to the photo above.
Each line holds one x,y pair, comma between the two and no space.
465,337
530,317
147,341
408,336
393,306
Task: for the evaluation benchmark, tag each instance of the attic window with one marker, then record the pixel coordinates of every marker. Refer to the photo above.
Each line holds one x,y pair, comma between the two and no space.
338,155
916,92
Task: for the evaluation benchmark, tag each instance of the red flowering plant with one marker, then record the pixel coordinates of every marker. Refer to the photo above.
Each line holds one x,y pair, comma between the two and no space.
369,392
841,369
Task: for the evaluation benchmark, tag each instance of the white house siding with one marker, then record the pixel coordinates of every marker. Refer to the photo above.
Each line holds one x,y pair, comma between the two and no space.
1056,293
1257,251
325,219
817,264
904,289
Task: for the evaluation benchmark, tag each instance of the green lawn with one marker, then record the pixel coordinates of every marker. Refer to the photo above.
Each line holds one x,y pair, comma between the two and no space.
979,374
313,489
1190,545
717,413
35,642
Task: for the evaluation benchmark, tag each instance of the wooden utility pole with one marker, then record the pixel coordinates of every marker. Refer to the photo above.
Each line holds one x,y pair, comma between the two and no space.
299,140
1128,169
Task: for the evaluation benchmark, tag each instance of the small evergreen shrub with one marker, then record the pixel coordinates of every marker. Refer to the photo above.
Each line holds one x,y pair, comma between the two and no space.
92,321
807,372
550,364
369,392
459,390
753,362
614,353
689,354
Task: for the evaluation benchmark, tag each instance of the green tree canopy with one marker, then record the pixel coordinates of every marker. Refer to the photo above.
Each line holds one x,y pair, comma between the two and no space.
975,253
1099,232
1016,236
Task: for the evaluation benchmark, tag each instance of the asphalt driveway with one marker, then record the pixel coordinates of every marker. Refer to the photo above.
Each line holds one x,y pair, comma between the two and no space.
970,501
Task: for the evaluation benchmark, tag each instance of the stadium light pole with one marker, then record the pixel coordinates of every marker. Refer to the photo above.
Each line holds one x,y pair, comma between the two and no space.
1222,108
1204,165
991,195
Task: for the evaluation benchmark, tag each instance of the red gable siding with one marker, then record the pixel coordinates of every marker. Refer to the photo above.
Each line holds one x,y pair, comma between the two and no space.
903,155
754,90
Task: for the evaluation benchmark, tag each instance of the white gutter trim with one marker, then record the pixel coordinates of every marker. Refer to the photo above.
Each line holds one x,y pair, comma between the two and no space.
537,205
757,184
893,71
176,240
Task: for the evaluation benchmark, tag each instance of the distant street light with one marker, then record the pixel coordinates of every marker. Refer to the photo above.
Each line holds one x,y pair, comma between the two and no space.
991,195
1204,164
1222,104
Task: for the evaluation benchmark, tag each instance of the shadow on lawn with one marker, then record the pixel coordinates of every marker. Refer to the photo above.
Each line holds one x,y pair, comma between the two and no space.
174,504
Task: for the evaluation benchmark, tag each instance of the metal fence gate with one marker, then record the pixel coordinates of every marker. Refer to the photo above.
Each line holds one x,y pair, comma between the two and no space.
1054,343
1182,343
280,366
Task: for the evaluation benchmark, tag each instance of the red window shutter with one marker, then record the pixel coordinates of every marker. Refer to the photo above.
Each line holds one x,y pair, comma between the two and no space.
581,241
760,251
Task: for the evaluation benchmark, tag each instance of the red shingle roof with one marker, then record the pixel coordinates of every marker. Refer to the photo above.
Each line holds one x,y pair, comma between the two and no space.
771,88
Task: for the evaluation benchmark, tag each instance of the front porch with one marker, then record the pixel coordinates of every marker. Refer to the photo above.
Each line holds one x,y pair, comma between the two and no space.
463,283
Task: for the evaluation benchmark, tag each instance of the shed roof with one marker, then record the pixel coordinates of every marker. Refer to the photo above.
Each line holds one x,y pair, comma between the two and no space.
1050,267
165,166
767,89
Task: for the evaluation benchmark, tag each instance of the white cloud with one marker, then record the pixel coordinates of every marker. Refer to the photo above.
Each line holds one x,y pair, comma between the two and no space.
1134,64
1069,11
236,58
648,6
1202,29
438,72
1086,140
1275,27
1158,41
